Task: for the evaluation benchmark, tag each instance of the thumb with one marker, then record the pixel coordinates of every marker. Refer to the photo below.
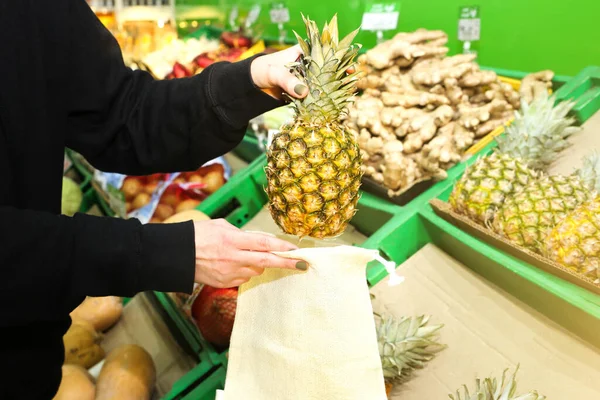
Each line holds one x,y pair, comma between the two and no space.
291,84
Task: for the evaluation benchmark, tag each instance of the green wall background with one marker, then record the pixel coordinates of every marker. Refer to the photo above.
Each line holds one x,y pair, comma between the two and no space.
521,35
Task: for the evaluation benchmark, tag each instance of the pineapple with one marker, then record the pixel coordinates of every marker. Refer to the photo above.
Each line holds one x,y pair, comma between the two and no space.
575,241
488,389
529,145
405,344
526,217
314,164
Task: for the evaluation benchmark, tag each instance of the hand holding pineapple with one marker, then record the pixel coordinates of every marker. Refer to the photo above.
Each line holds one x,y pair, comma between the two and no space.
270,73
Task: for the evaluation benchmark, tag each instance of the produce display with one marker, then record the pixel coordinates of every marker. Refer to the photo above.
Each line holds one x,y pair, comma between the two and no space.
313,168
525,217
401,113
156,197
125,372
529,145
511,193
420,110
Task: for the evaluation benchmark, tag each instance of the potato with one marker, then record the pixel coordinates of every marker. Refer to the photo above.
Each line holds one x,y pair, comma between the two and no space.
82,344
129,373
150,187
163,211
76,384
131,187
214,180
187,205
195,179
140,200
101,312
169,199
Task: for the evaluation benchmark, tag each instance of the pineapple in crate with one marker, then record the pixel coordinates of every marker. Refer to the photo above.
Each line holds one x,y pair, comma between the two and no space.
529,145
575,241
313,168
526,217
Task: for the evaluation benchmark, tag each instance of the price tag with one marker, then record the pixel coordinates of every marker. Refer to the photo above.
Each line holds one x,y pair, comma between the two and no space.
233,15
279,14
469,24
381,17
253,15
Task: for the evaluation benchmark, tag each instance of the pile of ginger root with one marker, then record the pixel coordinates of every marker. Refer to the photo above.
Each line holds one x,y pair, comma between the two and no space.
420,110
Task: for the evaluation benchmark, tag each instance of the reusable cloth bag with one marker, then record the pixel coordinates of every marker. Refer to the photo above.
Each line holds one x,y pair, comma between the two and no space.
307,335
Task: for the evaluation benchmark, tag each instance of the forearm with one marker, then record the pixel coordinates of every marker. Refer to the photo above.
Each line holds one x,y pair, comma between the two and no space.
44,256
125,121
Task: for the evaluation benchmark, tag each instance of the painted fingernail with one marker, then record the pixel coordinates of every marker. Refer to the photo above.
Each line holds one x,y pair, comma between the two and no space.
302,265
300,89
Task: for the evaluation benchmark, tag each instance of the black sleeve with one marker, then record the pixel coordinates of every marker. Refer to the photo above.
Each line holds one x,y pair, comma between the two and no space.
86,255
125,121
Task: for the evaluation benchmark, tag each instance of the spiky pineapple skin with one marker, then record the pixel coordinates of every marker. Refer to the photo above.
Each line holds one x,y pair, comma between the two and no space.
314,176
313,164
529,145
575,242
485,185
526,217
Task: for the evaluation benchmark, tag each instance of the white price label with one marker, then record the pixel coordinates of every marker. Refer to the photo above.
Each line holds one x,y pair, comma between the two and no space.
469,29
280,15
380,21
253,15
233,15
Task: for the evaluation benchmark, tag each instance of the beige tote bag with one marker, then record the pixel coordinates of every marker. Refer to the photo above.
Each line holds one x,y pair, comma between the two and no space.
307,335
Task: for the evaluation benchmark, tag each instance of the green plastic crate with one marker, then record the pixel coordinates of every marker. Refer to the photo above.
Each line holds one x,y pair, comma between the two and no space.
585,90
203,388
569,305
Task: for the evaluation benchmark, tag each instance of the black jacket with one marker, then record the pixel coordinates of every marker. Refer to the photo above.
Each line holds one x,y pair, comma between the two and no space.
63,83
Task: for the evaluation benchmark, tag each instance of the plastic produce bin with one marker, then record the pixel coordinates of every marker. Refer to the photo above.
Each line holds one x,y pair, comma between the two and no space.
584,88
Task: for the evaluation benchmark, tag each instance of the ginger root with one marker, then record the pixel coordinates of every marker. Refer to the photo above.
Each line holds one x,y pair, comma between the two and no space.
406,47
472,116
534,84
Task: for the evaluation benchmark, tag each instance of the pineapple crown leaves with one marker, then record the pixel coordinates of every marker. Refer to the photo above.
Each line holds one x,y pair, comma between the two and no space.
323,68
406,344
488,389
539,131
589,173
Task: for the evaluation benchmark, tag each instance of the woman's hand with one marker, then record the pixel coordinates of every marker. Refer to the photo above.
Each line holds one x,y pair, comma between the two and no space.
227,256
270,74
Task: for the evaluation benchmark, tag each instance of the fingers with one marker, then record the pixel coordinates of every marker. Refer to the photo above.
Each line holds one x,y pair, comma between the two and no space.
259,242
268,260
